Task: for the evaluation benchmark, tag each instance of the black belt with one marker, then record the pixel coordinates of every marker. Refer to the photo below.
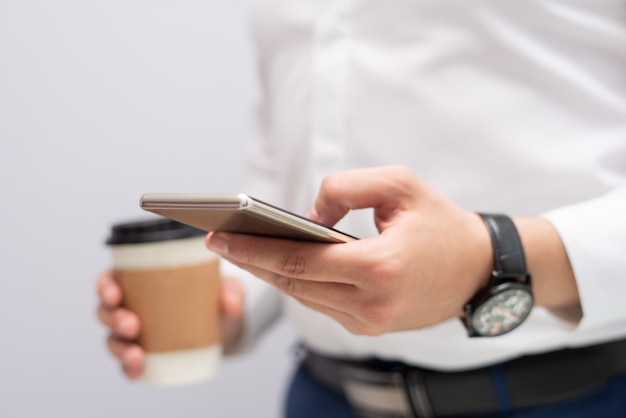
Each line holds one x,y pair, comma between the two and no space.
389,389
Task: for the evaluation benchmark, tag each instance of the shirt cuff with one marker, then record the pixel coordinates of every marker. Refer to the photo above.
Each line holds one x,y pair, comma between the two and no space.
594,235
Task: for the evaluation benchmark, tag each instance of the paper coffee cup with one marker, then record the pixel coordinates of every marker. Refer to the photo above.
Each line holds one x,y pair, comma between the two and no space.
171,281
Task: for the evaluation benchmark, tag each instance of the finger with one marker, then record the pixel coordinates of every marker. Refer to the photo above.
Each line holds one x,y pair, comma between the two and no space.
350,322
311,261
382,188
232,305
109,290
130,354
231,331
121,321
132,373
336,296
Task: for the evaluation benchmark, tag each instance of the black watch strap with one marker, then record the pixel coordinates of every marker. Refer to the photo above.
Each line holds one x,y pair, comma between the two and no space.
509,289
508,252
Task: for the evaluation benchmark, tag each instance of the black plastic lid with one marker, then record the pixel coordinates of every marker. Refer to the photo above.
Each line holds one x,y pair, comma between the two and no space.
152,230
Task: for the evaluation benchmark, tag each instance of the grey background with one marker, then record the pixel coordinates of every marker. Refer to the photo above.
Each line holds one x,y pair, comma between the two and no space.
101,101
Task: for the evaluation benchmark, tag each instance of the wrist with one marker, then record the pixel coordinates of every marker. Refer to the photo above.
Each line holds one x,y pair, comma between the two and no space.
554,282
481,253
506,301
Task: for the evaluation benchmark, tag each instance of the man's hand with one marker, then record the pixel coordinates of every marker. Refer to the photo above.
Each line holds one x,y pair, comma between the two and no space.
124,325
430,258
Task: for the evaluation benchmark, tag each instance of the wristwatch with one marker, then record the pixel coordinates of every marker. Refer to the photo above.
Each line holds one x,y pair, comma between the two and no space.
505,303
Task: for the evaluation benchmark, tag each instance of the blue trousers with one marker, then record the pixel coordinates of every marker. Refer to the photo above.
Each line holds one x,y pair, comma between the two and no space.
307,398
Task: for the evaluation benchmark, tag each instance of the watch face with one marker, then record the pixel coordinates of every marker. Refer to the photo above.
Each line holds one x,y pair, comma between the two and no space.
502,312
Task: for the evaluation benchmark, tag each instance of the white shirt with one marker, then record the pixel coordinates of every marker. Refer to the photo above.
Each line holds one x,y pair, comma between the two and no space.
509,106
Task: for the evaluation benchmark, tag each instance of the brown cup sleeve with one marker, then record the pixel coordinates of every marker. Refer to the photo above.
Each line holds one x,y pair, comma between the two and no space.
178,307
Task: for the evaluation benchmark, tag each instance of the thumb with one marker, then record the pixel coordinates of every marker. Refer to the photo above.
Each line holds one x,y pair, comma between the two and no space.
231,297
232,304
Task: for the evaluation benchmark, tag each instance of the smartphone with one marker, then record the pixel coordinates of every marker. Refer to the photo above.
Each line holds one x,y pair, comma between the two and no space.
239,213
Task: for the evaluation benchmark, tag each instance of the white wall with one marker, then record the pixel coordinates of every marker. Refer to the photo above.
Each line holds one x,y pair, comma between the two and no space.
101,101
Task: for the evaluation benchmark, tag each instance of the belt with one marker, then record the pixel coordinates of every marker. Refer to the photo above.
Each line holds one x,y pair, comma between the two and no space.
377,389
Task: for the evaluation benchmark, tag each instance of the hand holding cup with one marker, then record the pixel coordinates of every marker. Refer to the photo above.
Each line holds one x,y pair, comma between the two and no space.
164,304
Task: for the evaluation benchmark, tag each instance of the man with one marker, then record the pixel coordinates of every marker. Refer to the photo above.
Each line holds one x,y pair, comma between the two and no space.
427,114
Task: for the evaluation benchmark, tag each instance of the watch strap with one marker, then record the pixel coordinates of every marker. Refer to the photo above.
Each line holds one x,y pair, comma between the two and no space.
508,252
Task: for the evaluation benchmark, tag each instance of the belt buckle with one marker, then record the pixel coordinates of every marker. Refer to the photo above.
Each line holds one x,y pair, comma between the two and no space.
394,393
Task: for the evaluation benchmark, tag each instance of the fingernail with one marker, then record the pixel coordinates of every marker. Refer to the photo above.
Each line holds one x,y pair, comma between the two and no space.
218,244
313,215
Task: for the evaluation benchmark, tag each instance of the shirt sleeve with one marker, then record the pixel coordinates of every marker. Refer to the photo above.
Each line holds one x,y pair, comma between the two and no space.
594,235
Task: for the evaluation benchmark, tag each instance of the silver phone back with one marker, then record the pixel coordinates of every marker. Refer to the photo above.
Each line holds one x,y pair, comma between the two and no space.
238,213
